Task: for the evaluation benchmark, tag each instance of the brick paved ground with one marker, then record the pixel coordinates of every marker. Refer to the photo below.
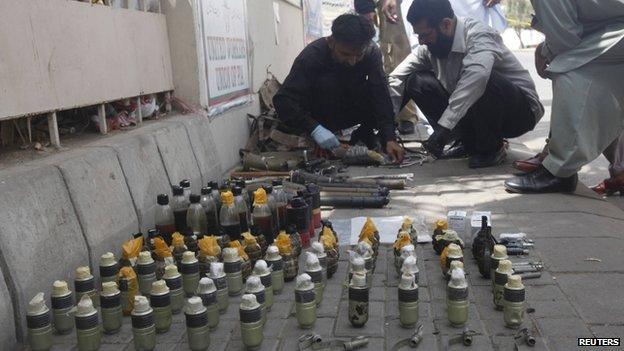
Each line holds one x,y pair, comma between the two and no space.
574,298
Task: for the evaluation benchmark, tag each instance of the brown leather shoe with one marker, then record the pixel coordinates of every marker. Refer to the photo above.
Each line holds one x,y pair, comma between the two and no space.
609,187
530,164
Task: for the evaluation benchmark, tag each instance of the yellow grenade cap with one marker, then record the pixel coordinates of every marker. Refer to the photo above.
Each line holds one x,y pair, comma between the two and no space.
441,224
227,197
260,197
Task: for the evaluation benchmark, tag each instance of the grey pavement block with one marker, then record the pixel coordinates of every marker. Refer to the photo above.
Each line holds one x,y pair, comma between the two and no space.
479,342
379,279
562,327
566,225
564,343
374,326
177,155
552,309
143,169
544,293
99,192
377,293
331,300
225,328
202,141
496,326
572,254
597,297
40,239
395,334
508,343
124,335
267,345
281,309
607,331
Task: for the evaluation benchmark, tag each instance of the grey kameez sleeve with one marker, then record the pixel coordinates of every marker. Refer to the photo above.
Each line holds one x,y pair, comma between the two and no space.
558,20
416,61
477,66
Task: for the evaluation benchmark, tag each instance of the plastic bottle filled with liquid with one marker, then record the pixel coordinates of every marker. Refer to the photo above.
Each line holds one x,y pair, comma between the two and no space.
163,218
228,217
273,206
196,217
242,208
281,200
180,205
210,207
262,216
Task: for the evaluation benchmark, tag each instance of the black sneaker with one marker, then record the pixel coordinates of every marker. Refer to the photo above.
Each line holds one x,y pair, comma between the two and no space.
488,160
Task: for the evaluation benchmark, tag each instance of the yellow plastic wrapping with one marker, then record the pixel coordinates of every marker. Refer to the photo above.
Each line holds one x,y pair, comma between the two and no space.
241,250
177,239
403,239
441,224
161,249
133,286
443,256
327,235
260,197
209,246
250,240
131,248
368,231
283,243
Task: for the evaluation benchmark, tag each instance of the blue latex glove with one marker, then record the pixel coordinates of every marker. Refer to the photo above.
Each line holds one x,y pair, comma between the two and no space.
325,138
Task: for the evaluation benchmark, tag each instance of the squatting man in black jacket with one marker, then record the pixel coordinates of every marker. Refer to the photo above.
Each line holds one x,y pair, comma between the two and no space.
338,82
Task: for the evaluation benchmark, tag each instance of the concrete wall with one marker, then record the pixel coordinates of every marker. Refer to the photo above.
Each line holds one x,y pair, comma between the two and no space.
67,210
59,54
230,129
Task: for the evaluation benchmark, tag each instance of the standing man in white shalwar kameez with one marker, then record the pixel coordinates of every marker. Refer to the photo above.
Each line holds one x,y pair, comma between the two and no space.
583,55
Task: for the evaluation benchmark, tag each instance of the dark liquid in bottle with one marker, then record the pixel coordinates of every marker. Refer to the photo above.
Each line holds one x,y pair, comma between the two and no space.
265,224
212,225
281,213
165,231
242,216
233,231
180,221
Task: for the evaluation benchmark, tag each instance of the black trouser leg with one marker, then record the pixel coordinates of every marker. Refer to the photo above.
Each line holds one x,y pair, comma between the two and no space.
502,112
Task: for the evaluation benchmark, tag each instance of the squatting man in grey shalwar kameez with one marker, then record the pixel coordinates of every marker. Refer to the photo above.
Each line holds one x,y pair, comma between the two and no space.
583,55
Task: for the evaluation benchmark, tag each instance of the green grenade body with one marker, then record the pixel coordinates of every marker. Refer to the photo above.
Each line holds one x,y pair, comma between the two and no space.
277,275
61,316
161,304
88,332
323,262
39,331
246,268
223,297
317,279
112,315
212,308
233,272
513,307
408,307
291,267
457,306
358,305
146,275
190,277
176,294
86,287
144,331
252,326
498,288
197,331
254,252
305,306
332,262
261,298
268,290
